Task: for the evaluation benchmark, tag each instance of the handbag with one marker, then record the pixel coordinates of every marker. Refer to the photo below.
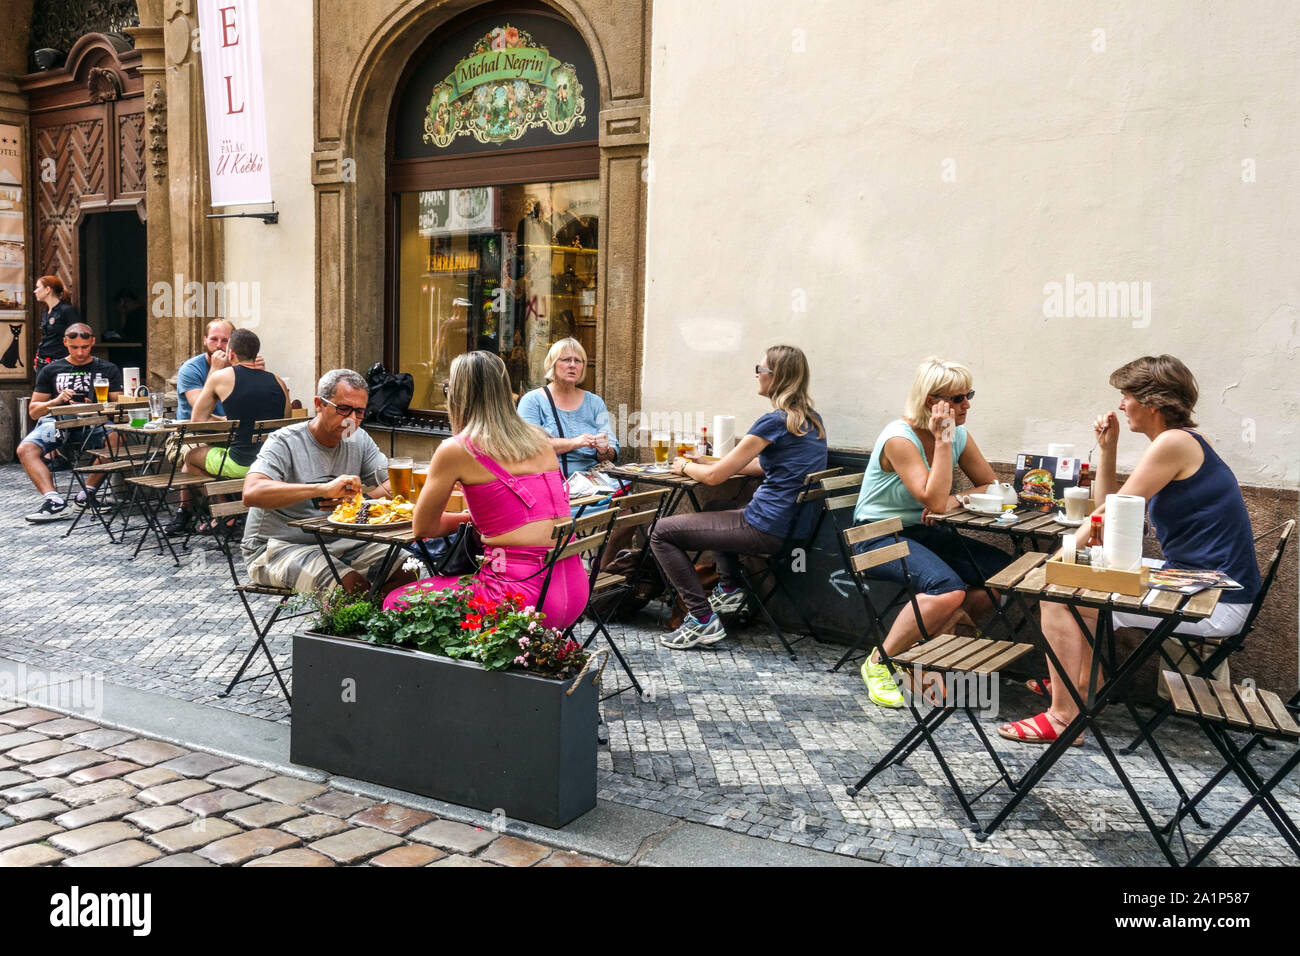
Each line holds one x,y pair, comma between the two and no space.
452,556
390,395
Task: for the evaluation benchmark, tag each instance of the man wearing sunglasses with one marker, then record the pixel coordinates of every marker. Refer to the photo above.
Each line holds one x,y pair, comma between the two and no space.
64,381
303,471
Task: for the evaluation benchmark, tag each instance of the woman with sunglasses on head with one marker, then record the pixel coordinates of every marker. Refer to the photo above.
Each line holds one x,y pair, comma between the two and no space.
782,447
910,477
513,489
1197,511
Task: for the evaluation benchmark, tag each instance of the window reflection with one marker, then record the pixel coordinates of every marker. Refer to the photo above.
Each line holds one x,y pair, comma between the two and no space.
509,269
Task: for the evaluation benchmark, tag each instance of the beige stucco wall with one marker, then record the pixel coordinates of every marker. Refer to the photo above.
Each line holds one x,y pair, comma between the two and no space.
281,257
776,171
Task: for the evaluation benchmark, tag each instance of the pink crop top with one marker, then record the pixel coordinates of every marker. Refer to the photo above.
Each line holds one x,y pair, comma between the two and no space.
513,500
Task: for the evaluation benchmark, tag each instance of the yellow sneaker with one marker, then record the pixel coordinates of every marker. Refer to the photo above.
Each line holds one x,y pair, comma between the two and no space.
881,686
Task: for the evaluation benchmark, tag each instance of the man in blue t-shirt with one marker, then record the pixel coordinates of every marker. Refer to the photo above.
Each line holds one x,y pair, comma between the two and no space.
191,376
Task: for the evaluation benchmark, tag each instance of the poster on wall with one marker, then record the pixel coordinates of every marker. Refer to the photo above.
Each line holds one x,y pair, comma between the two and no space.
14,353
235,102
444,212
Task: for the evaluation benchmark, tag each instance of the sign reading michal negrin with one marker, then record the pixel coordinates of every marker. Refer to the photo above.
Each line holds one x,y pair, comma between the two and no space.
232,86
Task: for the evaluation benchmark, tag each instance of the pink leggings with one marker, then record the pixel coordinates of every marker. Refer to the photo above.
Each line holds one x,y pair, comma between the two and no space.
508,570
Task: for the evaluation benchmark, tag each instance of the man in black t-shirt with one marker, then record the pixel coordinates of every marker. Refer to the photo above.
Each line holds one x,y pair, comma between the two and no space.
66,381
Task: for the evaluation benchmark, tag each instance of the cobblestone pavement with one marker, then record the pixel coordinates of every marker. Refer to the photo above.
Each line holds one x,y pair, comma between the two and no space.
735,736
73,793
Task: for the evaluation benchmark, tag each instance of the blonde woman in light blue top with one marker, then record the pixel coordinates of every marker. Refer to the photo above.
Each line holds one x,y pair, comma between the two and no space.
910,477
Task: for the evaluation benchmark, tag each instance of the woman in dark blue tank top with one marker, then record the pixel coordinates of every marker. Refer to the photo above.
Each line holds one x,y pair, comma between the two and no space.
1196,509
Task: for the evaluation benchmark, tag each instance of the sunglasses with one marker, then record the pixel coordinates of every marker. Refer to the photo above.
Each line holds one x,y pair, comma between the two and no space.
79,335
759,370
345,411
446,389
957,399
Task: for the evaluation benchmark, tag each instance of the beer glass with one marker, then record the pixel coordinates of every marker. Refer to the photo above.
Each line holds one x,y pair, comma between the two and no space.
399,477
101,389
685,446
418,474
660,445
156,405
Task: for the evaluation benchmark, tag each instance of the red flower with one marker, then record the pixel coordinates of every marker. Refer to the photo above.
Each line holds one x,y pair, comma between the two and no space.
472,622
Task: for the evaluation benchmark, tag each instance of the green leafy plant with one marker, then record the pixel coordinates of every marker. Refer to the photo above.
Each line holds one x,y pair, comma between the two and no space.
340,612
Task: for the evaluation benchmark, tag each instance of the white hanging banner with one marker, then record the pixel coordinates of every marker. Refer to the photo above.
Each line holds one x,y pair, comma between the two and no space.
231,48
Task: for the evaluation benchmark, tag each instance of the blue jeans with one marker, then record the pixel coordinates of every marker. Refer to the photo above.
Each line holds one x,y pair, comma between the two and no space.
937,560
48,437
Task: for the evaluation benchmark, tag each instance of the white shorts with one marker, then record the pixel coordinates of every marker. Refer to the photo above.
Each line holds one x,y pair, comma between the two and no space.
1226,621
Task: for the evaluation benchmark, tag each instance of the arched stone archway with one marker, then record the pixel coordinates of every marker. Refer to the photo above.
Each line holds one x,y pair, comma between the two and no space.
362,48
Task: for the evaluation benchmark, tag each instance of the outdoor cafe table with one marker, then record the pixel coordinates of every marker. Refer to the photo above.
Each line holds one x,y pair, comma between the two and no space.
397,539
679,485
1025,581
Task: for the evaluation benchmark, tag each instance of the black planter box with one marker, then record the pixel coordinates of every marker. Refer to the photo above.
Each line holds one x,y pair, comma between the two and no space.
446,729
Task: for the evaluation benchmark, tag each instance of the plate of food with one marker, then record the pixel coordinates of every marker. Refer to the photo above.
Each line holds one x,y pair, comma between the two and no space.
373,512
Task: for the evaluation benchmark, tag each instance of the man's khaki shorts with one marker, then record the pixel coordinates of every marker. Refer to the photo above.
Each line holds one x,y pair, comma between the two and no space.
303,568
175,452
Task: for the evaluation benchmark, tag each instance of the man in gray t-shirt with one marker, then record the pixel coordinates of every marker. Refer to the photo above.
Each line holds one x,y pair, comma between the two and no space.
304,470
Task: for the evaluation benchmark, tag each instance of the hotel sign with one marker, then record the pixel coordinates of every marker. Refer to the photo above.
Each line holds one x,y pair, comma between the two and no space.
504,88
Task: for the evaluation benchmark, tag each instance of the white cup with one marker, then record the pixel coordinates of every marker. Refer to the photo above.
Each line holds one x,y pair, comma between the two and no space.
1076,503
987,504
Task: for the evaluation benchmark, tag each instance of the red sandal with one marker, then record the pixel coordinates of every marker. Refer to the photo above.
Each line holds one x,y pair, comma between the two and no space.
1038,729
1042,688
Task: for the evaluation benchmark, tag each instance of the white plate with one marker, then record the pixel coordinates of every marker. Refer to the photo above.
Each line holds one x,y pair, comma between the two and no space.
980,511
1060,518
371,527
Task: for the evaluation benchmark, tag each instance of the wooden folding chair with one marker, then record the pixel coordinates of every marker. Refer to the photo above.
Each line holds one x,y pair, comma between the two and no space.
1219,709
810,495
969,660
155,490
1222,647
227,540
643,511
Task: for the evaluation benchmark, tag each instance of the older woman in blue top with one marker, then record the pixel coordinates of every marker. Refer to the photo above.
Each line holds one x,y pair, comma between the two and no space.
909,477
575,418
783,447
1195,506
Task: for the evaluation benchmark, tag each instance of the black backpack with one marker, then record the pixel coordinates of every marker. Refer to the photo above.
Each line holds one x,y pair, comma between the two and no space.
390,395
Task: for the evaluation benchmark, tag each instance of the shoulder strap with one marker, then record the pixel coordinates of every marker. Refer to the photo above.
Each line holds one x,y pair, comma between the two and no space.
559,429
507,479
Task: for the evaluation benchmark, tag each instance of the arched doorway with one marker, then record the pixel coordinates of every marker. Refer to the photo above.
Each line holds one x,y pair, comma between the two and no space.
355,156
494,199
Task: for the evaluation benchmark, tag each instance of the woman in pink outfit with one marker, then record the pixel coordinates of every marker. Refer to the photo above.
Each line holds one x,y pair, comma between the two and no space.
513,489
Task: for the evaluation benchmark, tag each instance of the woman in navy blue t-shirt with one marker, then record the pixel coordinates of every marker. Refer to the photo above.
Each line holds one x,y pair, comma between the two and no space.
1196,509
783,447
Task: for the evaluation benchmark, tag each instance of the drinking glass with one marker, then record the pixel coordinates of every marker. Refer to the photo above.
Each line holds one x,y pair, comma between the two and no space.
418,474
660,444
156,406
101,389
399,477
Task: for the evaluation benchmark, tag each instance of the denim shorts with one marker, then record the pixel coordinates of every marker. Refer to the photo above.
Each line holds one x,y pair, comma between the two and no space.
937,560
49,438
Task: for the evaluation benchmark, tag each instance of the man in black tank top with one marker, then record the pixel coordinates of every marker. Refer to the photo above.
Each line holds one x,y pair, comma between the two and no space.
249,395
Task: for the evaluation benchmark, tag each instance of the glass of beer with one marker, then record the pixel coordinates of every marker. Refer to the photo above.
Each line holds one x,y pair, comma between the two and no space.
101,389
685,446
418,475
660,445
399,477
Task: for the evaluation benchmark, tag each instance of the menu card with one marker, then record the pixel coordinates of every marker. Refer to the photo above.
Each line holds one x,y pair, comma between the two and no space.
1041,481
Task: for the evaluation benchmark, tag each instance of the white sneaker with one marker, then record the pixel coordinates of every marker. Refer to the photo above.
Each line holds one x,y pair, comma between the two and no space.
726,602
49,511
692,632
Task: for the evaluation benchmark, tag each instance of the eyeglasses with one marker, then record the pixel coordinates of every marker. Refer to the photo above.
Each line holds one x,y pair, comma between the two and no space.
958,399
570,360
80,335
345,411
759,370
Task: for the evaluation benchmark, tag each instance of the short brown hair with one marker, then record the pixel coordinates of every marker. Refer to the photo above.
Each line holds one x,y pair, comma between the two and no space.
1162,382
245,344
